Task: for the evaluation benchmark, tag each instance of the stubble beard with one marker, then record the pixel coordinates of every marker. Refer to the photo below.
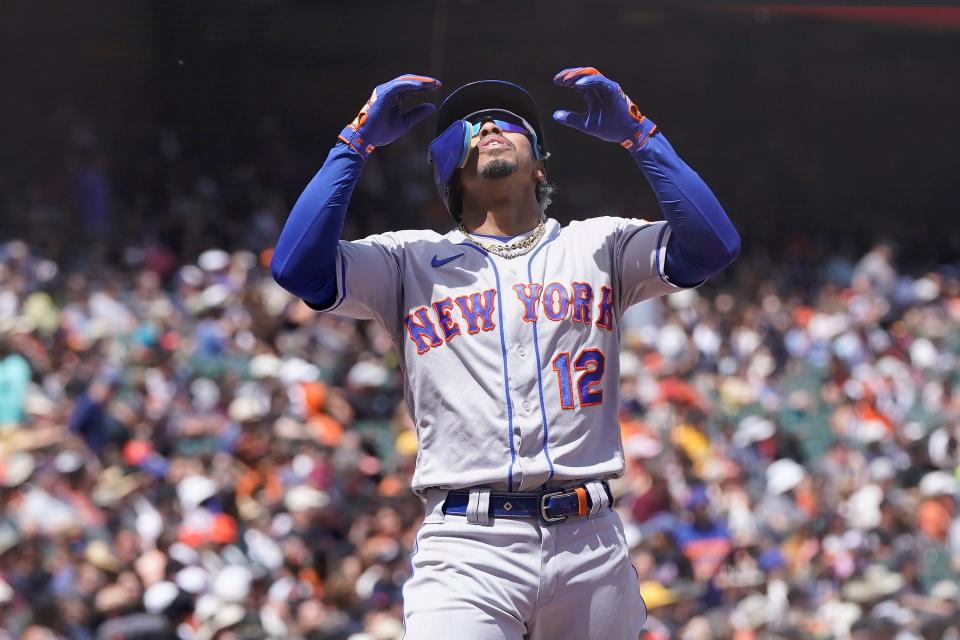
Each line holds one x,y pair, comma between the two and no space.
498,168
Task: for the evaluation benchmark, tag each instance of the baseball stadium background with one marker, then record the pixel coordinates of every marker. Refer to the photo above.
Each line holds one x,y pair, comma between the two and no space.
187,451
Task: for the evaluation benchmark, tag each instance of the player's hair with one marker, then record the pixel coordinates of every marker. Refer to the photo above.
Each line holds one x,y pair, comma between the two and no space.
545,191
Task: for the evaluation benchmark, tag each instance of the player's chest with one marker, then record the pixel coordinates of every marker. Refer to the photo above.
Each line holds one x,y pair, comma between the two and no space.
472,300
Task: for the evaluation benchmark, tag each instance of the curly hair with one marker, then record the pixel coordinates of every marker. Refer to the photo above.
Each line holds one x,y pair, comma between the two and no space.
545,191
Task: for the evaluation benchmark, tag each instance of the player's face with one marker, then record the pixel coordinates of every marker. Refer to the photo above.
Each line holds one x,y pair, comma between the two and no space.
497,153
494,142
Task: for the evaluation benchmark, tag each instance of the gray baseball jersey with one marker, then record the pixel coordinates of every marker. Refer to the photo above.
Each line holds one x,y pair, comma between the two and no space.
511,365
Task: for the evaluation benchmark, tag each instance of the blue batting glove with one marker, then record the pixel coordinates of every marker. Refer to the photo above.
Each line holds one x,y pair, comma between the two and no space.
381,121
610,115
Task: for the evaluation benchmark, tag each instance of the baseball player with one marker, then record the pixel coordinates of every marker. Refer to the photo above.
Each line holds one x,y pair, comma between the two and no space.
507,328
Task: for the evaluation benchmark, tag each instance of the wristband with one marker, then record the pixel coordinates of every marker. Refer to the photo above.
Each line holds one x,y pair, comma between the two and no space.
645,131
351,136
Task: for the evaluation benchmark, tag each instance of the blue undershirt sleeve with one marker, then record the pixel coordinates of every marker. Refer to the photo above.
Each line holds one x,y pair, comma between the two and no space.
703,240
304,261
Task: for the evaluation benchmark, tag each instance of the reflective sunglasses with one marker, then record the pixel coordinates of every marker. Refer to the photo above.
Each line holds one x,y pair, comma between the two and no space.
515,124
503,125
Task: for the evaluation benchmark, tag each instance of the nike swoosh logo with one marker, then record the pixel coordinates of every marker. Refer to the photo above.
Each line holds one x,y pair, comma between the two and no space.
436,262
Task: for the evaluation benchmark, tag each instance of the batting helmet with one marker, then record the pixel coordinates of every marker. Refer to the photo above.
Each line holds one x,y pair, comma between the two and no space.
484,98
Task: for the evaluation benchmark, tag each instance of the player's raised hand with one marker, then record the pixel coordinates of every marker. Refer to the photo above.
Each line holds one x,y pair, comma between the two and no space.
381,120
610,114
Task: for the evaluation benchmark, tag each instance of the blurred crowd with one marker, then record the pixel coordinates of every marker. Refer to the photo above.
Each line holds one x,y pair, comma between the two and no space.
199,455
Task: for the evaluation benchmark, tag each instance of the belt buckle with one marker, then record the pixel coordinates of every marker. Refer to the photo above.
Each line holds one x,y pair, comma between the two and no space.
543,507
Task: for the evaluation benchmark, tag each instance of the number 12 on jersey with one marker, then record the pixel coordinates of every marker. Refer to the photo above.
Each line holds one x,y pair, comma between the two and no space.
590,362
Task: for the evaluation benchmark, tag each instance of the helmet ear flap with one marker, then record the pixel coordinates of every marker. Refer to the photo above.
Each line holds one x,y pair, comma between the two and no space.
453,199
447,153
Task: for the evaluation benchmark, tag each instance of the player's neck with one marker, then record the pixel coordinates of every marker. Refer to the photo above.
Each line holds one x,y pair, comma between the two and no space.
501,216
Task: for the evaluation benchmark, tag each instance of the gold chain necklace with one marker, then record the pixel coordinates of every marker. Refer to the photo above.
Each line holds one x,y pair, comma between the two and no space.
512,249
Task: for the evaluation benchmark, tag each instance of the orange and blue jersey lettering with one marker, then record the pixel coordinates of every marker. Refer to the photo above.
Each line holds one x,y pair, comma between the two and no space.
529,295
605,311
447,324
423,333
555,301
582,300
479,315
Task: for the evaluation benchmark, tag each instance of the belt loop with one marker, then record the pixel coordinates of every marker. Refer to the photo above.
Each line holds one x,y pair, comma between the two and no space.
472,506
598,497
483,505
478,506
